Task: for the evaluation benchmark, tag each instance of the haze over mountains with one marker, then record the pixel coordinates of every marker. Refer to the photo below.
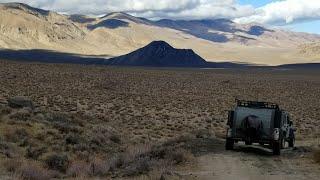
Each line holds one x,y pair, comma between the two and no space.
25,27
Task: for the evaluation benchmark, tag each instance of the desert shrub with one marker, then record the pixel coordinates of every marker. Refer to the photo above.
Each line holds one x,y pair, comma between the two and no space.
20,102
115,162
12,165
141,159
139,166
57,162
16,135
57,117
28,170
78,169
35,152
6,149
178,156
66,127
34,171
21,115
162,170
73,139
180,139
203,133
114,138
99,167
316,156
135,152
101,135
3,144
62,122
5,110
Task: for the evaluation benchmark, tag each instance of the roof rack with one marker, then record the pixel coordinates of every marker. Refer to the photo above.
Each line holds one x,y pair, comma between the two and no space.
256,104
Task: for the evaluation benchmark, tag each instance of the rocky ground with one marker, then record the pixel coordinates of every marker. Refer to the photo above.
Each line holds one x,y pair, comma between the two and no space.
83,116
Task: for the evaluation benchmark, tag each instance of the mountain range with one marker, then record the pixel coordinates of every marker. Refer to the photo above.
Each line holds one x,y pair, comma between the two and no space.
217,40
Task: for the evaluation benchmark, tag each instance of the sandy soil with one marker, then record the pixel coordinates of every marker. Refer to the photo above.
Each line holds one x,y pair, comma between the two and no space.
253,162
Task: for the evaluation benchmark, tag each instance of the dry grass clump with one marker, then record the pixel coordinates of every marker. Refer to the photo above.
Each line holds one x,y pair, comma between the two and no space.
7,149
21,115
141,165
316,156
142,159
34,171
57,161
78,169
16,135
99,167
179,156
137,160
35,152
12,165
28,170
5,110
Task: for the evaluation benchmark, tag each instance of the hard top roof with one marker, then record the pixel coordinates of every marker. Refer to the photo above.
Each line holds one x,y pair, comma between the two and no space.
257,104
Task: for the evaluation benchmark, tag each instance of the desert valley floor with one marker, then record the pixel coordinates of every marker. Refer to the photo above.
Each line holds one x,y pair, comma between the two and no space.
79,106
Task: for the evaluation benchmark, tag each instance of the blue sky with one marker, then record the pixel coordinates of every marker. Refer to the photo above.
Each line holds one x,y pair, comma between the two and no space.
255,3
310,26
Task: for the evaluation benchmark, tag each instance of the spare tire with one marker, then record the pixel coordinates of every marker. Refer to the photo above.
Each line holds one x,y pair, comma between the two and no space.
252,126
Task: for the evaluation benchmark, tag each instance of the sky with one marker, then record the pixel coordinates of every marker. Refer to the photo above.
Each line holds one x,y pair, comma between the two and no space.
296,15
311,25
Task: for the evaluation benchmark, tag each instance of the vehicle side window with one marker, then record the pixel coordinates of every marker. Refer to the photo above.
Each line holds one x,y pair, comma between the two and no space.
285,120
289,121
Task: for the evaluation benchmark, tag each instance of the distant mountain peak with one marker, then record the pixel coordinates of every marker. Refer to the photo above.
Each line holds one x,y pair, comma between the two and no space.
79,18
159,44
160,54
15,4
26,8
126,16
116,14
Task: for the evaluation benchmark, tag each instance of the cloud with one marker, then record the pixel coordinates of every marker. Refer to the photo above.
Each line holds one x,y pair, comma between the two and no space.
154,9
284,12
275,13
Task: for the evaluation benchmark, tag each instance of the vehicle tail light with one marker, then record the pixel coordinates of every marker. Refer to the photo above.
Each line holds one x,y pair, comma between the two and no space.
229,133
276,134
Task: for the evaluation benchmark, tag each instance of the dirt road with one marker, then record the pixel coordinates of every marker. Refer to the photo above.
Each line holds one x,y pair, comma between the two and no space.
251,163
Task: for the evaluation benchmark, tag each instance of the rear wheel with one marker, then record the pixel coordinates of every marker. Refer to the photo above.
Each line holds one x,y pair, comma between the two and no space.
276,148
291,142
229,144
292,138
283,143
248,141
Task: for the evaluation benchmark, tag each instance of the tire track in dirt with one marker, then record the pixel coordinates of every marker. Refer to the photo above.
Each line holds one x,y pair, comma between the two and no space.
251,163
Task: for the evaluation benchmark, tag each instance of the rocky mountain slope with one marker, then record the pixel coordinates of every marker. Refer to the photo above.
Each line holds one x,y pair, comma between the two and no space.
224,30
25,27
311,49
160,54
22,26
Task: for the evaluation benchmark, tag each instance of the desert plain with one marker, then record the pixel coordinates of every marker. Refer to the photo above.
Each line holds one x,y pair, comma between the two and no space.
149,123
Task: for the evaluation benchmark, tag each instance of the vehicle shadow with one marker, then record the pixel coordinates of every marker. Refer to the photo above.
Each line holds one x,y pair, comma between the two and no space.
254,149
